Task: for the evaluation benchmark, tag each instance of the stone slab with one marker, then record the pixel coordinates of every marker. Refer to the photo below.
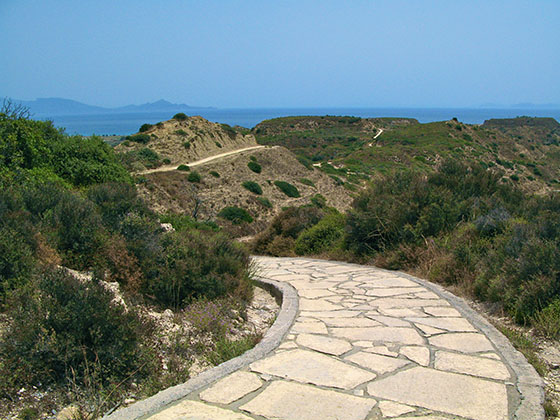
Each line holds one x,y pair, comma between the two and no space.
383,334
448,324
419,355
393,409
314,368
231,388
463,342
290,401
478,399
471,365
324,344
194,410
376,362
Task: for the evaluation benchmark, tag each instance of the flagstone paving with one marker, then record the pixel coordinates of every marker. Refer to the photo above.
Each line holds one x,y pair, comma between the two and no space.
369,344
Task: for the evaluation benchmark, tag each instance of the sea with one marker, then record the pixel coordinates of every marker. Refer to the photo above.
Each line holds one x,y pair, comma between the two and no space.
128,123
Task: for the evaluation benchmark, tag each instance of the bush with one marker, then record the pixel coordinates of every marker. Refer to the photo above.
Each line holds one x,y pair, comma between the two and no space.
181,132
265,202
255,167
145,127
187,144
139,138
183,167
319,201
166,161
215,174
278,239
253,187
306,181
200,265
325,235
287,188
194,177
236,215
547,321
180,116
63,328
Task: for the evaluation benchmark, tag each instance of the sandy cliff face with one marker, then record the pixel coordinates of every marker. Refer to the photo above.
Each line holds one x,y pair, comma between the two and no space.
190,140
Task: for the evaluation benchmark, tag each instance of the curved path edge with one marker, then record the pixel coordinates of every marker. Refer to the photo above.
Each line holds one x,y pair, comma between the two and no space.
529,384
271,340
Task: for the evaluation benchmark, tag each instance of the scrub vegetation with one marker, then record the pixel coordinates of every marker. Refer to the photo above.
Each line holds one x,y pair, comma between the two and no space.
67,203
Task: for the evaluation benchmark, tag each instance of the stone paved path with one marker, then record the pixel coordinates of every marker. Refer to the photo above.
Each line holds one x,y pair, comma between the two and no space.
366,344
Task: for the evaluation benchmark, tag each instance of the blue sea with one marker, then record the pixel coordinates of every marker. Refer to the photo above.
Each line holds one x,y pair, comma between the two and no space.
123,124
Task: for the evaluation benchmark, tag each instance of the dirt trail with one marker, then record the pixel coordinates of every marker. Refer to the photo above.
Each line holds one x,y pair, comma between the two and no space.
201,161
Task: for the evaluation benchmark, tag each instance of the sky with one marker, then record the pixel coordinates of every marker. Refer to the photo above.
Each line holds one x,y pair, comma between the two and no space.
282,53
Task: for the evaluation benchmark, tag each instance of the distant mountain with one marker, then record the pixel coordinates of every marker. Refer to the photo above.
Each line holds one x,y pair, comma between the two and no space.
60,106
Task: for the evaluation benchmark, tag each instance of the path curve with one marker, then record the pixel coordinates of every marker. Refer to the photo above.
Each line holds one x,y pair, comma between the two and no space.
366,344
169,168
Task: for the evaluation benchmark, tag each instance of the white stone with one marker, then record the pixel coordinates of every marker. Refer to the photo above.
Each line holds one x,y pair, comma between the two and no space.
312,367
316,327
376,362
419,355
389,321
449,324
395,291
446,392
382,334
463,342
471,365
435,311
231,388
290,401
393,409
194,410
317,305
324,344
352,322
381,350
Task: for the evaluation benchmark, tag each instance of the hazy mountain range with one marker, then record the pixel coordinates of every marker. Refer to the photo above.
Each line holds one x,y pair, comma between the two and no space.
61,106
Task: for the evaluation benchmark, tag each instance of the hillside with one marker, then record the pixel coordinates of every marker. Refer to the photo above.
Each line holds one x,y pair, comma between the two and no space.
525,149
185,139
204,190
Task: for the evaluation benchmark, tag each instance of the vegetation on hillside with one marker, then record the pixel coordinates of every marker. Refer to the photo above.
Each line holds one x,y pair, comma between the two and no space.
353,149
66,202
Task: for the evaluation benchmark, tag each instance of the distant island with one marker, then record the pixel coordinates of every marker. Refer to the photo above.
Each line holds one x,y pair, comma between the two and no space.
62,106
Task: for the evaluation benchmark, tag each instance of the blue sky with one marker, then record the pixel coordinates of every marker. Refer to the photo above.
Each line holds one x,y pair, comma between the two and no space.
264,53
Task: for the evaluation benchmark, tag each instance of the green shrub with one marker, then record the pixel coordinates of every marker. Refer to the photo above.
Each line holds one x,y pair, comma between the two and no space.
514,177
323,236
287,188
306,181
218,144
236,215
253,187
227,349
181,132
63,328
279,238
180,116
215,174
253,158
166,161
255,167
547,321
200,265
183,167
337,180
319,201
145,127
194,177
229,130
265,202
140,138
187,144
